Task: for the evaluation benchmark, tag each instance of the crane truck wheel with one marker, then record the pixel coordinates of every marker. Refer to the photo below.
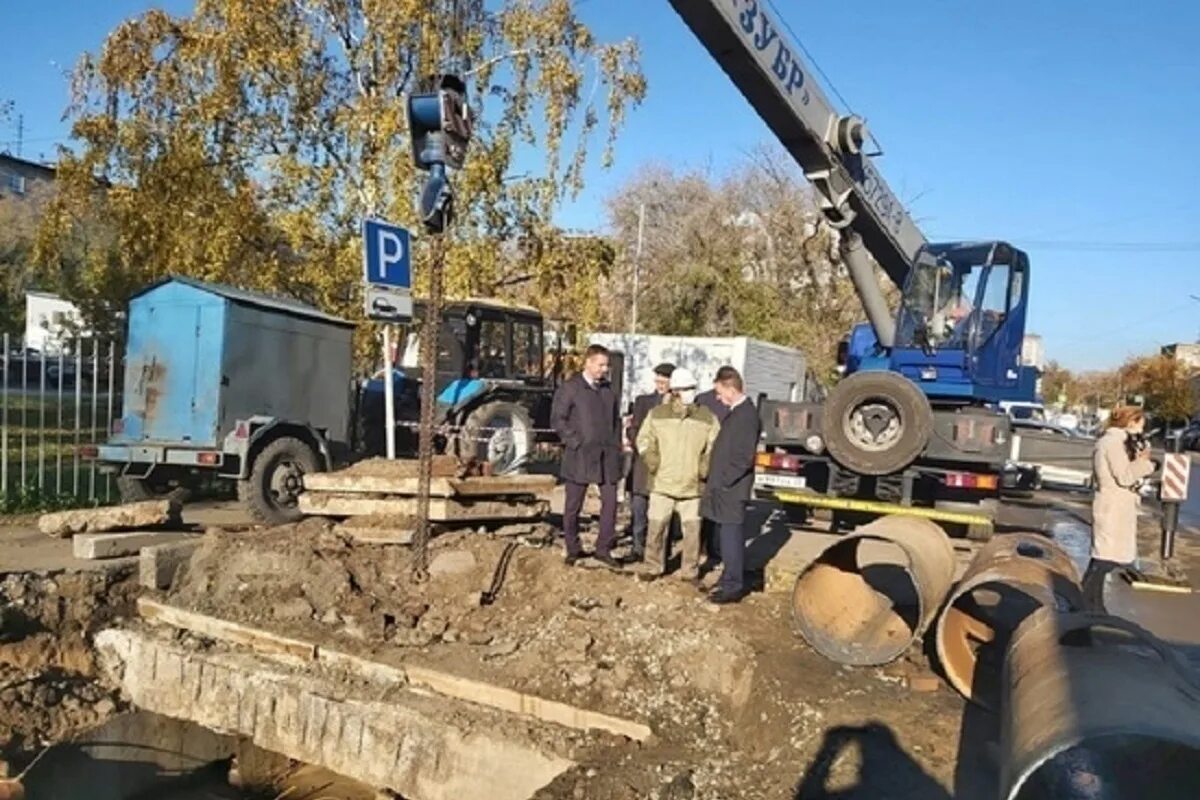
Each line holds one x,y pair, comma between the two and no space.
876,423
272,491
135,490
499,433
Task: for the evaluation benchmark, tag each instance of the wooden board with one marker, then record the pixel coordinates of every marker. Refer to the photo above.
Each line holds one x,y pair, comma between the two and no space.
440,509
223,630
437,681
349,483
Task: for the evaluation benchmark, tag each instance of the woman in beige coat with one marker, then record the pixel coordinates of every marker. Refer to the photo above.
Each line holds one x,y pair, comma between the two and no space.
1116,478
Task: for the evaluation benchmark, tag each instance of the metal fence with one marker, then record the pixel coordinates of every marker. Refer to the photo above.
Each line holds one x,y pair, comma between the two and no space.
51,403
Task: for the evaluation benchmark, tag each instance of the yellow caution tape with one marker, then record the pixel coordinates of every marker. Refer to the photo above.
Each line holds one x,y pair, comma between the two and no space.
877,507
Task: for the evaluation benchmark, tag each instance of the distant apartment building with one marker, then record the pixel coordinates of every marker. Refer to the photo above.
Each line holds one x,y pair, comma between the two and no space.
1185,353
19,177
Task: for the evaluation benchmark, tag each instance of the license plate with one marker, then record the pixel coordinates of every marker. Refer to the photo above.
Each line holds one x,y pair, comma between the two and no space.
770,481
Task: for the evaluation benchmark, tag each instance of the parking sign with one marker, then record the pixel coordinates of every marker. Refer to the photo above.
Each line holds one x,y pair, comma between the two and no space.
387,271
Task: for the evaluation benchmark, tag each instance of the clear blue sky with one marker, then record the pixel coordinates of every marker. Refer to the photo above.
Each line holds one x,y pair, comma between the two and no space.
1067,127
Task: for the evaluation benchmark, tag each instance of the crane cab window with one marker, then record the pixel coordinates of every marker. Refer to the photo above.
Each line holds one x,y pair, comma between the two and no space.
993,308
493,345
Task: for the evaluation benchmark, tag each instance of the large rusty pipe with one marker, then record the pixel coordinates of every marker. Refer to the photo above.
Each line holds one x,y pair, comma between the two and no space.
867,597
1010,577
1094,706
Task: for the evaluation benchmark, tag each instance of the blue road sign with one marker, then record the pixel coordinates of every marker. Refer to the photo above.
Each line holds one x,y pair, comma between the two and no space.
386,256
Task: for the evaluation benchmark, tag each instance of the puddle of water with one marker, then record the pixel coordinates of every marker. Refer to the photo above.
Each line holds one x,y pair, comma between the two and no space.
1075,538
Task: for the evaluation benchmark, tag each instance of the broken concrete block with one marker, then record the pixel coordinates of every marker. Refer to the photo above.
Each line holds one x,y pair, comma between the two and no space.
158,564
131,516
116,545
452,562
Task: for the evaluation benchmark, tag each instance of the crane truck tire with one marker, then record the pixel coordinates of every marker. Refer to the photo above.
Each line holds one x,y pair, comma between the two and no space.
499,433
876,422
271,492
135,490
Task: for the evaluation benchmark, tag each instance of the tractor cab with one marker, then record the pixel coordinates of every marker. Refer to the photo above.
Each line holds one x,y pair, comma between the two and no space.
481,340
962,321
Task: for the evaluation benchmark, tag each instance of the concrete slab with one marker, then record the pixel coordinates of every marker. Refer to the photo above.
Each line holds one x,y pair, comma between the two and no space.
157,564
431,748
440,509
131,516
115,545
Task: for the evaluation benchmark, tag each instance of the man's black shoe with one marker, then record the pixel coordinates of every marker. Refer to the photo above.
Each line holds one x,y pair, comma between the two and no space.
721,597
607,560
572,560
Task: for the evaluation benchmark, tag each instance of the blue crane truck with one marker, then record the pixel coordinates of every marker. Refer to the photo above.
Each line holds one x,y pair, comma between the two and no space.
260,390
914,426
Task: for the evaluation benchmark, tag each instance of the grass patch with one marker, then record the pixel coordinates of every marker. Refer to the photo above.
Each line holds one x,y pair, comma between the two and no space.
29,499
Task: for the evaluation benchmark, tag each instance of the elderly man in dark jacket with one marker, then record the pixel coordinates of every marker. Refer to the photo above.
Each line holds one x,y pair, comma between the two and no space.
639,480
730,482
585,416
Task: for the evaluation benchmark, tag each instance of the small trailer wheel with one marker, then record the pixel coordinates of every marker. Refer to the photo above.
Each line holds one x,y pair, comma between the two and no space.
272,491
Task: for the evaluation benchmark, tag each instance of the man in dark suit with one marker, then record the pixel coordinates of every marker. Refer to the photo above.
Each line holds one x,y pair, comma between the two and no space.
639,480
585,416
709,399
730,482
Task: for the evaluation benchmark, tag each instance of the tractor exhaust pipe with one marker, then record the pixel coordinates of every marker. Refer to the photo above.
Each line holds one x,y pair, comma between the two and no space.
871,594
1095,706
862,275
1011,577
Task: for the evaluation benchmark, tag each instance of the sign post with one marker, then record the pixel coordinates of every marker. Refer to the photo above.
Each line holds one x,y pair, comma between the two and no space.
387,298
1177,469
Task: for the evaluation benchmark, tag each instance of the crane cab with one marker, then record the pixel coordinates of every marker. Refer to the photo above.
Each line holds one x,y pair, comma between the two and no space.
960,325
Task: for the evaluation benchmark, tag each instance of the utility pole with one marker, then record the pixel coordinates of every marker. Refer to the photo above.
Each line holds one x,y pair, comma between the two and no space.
637,265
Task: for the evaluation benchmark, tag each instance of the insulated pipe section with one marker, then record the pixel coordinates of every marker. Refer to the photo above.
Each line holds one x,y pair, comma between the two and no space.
871,594
866,284
1096,707
1011,577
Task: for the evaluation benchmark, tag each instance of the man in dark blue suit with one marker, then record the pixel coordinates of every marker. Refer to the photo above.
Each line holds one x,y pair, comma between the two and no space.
730,483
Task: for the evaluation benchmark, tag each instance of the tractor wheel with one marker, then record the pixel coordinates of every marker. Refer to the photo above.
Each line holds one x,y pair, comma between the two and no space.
876,423
272,491
499,433
135,490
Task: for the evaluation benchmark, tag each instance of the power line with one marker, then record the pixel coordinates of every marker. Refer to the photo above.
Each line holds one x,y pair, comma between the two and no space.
809,56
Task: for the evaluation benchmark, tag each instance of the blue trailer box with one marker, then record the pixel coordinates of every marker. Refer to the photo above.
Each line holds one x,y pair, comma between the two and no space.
201,357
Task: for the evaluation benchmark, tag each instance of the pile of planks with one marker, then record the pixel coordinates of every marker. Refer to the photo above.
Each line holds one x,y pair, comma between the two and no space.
387,490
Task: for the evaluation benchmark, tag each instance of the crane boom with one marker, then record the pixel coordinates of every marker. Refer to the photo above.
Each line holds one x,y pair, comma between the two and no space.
754,52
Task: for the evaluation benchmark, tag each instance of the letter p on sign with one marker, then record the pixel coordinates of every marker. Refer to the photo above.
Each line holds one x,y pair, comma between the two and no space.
386,255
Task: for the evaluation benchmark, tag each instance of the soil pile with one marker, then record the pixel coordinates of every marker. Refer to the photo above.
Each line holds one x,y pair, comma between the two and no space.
738,704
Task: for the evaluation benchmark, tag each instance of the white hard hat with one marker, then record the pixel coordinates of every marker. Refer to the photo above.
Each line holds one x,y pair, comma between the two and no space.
682,378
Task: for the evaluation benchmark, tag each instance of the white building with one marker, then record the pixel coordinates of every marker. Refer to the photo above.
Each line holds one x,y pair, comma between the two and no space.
50,321
778,372
1033,351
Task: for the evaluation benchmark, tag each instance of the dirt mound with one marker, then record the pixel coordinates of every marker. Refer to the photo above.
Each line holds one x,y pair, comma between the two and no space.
737,703
48,688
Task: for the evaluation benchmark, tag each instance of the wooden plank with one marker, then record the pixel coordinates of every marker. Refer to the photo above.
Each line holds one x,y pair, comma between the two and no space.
514,702
223,630
440,509
346,482
442,683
